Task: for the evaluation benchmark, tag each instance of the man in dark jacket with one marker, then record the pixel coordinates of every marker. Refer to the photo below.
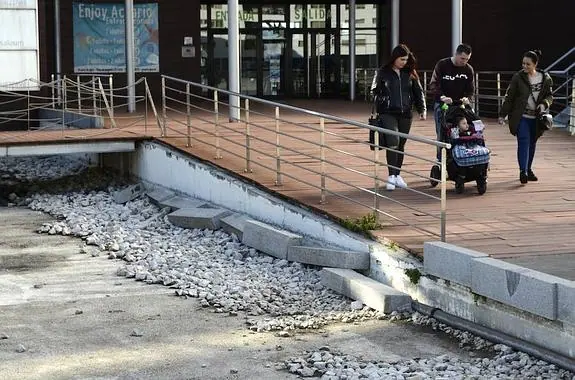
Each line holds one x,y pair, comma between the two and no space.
452,80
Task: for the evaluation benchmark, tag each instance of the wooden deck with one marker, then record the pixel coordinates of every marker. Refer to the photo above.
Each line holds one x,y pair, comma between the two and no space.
509,221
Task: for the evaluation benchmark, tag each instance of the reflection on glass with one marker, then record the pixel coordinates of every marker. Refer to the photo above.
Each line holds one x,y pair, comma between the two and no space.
273,68
296,16
248,64
299,66
273,12
219,62
247,15
316,15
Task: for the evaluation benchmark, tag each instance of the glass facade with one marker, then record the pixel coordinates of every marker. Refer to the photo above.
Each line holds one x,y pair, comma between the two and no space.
295,50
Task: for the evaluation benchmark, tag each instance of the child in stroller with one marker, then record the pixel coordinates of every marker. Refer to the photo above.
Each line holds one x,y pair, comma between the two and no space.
468,158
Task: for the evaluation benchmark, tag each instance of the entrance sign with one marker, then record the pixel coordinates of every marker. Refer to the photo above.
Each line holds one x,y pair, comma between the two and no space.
19,45
100,38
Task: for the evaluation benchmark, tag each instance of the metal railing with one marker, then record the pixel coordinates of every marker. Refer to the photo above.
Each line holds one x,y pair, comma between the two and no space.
308,150
77,102
490,88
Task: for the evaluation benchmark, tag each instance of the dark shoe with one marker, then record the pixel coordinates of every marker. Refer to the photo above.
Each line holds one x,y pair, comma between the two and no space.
523,177
531,177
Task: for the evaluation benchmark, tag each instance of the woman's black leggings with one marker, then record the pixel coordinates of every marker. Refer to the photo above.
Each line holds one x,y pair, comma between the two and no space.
397,123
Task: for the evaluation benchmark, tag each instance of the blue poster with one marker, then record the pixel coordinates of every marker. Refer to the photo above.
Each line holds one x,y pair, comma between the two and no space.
99,38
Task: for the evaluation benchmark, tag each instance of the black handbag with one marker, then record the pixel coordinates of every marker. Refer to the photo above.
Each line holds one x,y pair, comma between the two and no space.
375,120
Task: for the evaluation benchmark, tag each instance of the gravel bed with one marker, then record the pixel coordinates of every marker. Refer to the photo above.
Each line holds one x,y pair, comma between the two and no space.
225,275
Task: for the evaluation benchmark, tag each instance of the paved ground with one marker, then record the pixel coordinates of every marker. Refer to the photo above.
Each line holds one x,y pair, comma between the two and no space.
73,318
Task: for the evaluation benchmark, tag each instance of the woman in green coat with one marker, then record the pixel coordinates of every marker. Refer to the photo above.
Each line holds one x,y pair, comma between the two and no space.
529,94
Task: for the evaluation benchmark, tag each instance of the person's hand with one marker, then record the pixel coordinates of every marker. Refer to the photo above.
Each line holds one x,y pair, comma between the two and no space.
465,101
501,120
423,116
446,99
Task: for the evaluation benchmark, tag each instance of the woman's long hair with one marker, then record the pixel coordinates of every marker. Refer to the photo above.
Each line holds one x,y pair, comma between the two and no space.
402,50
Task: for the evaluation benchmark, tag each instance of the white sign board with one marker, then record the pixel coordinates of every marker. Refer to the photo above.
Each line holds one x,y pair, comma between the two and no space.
19,46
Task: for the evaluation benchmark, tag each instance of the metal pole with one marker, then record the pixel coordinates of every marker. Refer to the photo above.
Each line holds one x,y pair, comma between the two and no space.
78,86
57,45
477,93
164,113
498,93
376,175
188,115
216,124
54,84
278,152
130,54
322,156
394,23
456,23
352,50
111,84
248,150
234,59
443,192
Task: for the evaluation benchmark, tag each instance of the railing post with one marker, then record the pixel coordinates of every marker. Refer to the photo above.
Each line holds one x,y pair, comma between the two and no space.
278,152
376,175
322,157
64,102
28,108
94,102
248,150
111,84
53,91
164,114
366,85
477,93
443,192
78,86
498,93
64,94
216,125
188,115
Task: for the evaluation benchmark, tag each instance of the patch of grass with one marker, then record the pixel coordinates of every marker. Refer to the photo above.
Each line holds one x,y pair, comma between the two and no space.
479,298
414,275
362,225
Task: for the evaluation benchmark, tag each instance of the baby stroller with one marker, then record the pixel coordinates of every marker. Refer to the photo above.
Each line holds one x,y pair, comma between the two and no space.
468,158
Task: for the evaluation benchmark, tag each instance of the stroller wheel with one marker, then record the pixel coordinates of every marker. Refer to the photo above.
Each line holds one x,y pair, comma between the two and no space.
435,175
459,186
481,186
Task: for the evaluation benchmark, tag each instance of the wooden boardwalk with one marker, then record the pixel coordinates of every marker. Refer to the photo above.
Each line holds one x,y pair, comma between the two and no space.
510,221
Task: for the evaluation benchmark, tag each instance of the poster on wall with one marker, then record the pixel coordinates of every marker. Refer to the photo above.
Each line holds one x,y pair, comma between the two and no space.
19,56
99,38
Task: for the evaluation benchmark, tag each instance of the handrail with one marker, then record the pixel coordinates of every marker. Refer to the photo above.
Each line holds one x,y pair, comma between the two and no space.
315,113
328,148
562,72
560,59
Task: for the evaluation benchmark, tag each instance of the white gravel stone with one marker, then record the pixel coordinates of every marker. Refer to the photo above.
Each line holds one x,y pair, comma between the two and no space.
231,278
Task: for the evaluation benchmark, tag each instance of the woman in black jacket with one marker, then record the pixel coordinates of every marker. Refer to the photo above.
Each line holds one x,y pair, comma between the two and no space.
396,89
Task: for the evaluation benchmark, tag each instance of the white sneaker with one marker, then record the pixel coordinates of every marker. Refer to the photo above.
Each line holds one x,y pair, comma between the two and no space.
399,182
390,183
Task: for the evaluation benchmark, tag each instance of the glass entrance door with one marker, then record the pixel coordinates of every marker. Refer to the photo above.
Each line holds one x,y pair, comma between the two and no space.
273,67
315,64
324,64
249,64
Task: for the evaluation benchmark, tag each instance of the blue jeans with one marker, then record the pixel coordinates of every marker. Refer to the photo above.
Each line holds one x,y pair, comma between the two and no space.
526,143
437,117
